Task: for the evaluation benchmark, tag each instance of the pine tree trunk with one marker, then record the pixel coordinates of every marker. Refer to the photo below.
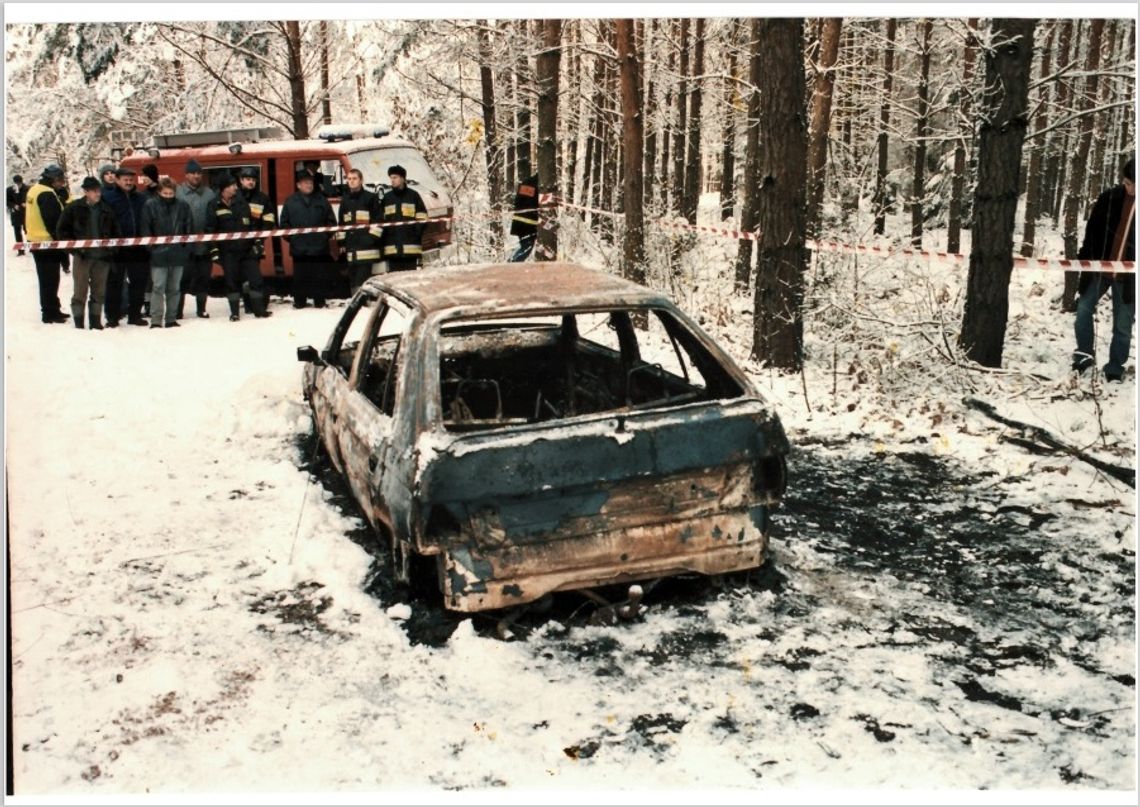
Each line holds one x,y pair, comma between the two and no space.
296,80
1096,179
1037,148
777,337
573,32
547,74
743,274
678,189
492,152
650,106
1003,122
326,101
922,127
692,193
821,120
880,198
523,145
728,154
664,180
1078,165
1059,144
633,264
958,183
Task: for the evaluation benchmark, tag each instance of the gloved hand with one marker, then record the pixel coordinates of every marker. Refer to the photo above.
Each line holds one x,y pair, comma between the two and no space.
67,264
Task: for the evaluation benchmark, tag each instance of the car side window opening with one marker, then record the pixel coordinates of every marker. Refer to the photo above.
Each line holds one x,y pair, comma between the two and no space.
341,349
533,369
379,372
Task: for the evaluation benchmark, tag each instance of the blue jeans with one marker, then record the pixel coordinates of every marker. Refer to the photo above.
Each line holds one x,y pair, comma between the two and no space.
526,244
1123,315
165,282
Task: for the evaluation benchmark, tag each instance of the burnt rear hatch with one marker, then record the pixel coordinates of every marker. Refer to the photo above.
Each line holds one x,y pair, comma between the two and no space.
579,450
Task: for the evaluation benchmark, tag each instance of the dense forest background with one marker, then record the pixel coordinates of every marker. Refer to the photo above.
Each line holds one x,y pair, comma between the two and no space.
846,129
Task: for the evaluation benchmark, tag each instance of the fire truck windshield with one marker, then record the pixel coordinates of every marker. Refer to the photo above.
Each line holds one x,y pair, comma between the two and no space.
374,164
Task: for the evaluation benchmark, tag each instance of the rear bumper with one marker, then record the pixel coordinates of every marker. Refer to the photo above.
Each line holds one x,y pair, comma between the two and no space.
477,579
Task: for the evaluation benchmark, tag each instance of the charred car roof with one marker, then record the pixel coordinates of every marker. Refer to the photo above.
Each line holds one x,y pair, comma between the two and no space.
491,289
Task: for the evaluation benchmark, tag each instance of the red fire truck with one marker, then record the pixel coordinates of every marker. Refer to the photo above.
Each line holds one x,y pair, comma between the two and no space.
276,159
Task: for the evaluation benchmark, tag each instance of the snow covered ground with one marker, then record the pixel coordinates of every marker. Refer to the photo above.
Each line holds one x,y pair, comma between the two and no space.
945,610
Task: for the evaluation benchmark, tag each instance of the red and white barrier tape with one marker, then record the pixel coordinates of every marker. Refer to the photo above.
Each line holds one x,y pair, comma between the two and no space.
551,200
245,235
883,252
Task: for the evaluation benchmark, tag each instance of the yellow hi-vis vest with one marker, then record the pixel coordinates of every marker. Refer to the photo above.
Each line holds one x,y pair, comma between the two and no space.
33,221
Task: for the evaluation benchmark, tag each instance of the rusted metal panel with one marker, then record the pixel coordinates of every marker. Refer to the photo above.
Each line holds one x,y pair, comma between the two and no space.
520,509
477,579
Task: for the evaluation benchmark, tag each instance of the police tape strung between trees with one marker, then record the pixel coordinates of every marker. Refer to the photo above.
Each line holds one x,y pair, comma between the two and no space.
550,200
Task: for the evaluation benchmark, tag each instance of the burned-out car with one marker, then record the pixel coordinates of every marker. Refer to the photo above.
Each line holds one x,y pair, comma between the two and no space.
544,427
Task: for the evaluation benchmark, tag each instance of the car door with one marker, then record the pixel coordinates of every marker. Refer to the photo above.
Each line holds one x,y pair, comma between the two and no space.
366,436
330,389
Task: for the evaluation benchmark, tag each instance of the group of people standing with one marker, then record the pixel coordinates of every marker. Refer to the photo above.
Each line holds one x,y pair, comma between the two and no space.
125,205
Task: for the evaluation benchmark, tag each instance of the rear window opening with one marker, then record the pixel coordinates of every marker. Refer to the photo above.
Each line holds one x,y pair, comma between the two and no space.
496,373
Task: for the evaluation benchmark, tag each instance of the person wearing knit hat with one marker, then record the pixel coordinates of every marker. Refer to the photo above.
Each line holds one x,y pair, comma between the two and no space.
313,265
1110,235
107,174
196,274
148,180
402,246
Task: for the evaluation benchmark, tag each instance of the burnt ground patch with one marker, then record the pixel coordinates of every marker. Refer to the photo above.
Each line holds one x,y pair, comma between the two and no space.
950,534
946,532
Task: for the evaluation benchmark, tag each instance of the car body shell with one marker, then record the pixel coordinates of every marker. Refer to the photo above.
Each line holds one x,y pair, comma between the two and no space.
520,507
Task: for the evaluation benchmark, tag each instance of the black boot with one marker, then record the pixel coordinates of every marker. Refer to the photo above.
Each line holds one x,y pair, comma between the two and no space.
95,315
201,300
235,307
181,305
260,304
77,315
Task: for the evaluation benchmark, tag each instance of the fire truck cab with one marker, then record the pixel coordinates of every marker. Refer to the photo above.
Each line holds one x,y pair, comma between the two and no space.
338,148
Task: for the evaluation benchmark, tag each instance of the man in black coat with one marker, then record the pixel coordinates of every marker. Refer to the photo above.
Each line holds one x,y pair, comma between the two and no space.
1110,235
312,261
85,218
524,223
131,263
17,195
402,246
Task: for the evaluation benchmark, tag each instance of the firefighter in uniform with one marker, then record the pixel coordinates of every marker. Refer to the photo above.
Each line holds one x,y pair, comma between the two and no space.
262,213
42,211
524,223
229,213
402,246
361,247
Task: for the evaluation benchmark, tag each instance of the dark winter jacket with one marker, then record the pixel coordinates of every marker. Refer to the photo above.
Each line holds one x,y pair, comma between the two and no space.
403,205
73,226
167,217
198,200
128,212
363,245
231,218
313,210
526,199
17,196
1099,233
